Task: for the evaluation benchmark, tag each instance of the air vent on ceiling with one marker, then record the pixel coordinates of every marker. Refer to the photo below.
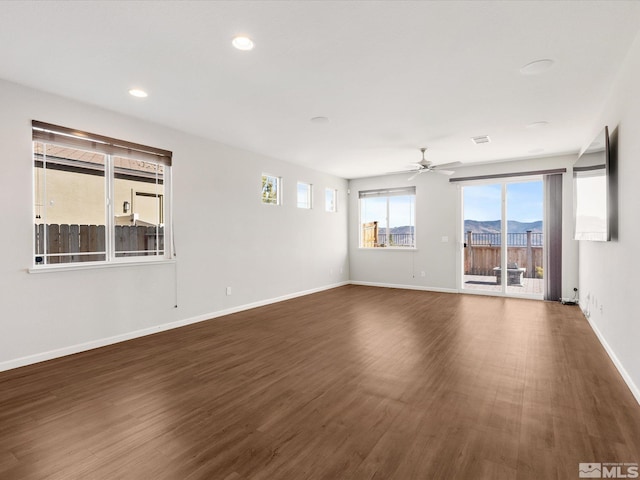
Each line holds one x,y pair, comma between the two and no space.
481,139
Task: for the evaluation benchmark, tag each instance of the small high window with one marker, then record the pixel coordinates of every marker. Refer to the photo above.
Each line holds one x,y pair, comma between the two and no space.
331,200
304,195
271,189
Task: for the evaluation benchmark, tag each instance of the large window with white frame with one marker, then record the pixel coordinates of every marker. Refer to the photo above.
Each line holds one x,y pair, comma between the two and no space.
387,218
304,195
98,199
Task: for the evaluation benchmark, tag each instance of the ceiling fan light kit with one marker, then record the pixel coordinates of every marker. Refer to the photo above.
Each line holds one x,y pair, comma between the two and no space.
425,165
481,139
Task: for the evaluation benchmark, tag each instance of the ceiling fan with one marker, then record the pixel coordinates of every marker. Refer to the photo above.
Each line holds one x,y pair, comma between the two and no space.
425,165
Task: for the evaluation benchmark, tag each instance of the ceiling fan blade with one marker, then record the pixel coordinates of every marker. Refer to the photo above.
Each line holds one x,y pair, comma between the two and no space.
414,175
399,172
445,172
448,165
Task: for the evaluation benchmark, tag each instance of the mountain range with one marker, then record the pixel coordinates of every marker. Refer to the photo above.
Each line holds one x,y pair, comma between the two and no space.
493,226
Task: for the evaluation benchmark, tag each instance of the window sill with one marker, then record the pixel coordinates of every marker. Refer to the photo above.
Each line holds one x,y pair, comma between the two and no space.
96,265
393,249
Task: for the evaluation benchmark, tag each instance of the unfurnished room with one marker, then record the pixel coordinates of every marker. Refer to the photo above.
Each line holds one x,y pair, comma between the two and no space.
319,240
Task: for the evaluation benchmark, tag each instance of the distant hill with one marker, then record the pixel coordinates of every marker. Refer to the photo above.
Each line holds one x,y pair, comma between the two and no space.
404,229
488,226
493,226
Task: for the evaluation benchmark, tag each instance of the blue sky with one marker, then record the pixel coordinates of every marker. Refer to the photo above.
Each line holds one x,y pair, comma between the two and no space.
524,202
401,210
481,202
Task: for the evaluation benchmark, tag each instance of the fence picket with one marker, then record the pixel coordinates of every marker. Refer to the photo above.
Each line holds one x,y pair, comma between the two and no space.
65,243
74,242
53,240
140,240
100,241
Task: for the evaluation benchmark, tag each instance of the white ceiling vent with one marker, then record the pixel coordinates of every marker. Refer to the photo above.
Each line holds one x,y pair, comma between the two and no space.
481,139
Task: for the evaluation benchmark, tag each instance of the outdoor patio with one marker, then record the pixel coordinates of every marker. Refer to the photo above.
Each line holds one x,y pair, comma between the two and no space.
487,283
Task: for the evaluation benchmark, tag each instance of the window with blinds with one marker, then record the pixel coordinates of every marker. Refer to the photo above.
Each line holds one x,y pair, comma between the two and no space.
387,218
98,199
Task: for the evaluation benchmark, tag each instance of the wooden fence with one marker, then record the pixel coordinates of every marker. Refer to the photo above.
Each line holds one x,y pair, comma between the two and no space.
481,259
370,234
520,239
87,243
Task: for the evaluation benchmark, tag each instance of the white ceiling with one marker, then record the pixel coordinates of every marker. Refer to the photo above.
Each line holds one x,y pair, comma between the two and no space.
391,76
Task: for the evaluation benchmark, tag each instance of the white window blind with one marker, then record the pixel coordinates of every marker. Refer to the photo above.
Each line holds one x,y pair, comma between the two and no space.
389,192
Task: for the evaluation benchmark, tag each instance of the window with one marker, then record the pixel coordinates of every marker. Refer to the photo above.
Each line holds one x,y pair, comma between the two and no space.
331,200
387,218
304,195
97,199
270,189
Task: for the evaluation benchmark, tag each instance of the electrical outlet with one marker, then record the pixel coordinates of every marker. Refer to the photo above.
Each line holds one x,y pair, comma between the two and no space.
423,273
228,290
445,239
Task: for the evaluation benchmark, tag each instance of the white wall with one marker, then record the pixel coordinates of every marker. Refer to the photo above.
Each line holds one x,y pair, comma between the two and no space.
224,237
609,271
437,216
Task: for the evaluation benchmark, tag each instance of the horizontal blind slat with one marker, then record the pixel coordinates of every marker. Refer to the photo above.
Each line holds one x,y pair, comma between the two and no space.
387,192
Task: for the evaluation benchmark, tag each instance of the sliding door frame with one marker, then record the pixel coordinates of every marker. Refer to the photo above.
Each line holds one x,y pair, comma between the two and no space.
503,181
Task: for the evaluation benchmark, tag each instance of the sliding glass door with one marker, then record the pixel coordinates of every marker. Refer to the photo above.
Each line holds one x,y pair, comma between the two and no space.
525,238
482,237
503,234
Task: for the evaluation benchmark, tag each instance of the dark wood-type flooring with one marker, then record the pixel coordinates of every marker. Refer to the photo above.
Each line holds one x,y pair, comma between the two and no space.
351,383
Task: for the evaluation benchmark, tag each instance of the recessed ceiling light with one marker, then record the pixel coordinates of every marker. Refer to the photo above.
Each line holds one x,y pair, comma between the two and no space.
537,67
481,139
540,124
136,92
242,43
320,120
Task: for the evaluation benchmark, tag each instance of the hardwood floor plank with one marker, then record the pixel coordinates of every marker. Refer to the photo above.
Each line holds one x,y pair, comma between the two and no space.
352,383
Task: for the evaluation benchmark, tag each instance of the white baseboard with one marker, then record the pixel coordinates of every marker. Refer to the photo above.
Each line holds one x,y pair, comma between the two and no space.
405,287
625,376
487,293
82,347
